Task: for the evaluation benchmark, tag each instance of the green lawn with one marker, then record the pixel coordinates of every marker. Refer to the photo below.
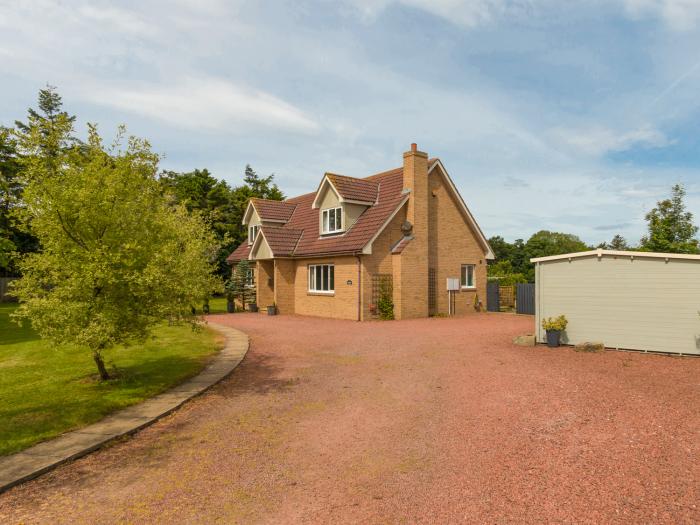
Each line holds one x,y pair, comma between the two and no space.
46,390
217,305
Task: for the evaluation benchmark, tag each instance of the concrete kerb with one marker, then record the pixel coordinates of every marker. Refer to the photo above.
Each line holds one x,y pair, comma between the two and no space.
43,457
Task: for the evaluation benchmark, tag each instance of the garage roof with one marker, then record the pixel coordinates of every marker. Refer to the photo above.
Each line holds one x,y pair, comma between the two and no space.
617,253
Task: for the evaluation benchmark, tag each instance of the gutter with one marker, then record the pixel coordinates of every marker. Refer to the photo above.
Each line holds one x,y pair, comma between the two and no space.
359,287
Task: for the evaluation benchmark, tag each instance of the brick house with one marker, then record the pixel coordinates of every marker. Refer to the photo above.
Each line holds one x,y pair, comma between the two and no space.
330,253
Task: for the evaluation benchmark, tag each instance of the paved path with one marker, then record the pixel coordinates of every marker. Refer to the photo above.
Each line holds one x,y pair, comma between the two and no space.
426,421
41,458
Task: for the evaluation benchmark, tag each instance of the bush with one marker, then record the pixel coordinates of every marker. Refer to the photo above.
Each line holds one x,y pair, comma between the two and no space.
385,304
555,324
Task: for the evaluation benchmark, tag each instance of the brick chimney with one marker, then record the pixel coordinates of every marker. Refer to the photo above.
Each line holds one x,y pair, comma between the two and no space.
410,268
415,179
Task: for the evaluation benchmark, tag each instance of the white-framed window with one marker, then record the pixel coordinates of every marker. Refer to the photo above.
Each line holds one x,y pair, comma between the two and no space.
332,220
468,276
253,233
250,278
322,278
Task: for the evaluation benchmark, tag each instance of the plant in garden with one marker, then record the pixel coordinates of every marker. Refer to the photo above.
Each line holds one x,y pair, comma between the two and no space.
117,258
385,303
555,324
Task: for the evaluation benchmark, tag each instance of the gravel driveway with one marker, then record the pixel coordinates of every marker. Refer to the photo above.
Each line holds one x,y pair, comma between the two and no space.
431,421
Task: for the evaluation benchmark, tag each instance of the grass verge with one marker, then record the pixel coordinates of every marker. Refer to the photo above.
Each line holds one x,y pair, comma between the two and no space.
46,390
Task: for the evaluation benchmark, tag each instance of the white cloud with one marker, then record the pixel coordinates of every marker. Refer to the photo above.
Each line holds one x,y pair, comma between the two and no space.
117,19
465,13
203,103
598,140
681,15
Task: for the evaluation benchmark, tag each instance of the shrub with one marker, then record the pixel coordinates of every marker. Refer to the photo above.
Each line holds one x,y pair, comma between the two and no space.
385,304
553,324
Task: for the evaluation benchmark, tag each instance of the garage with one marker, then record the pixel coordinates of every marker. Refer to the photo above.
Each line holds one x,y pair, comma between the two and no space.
626,300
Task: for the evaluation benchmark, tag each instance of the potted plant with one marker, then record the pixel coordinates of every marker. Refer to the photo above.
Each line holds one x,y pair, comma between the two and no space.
554,326
272,309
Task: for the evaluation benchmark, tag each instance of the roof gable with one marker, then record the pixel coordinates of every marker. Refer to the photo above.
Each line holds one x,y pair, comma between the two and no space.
269,210
348,189
436,164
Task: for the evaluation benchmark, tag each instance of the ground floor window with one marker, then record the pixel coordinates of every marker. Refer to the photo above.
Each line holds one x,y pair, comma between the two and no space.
322,278
250,278
468,276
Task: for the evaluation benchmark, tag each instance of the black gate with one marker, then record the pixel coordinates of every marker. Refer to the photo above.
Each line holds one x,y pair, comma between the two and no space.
525,298
493,297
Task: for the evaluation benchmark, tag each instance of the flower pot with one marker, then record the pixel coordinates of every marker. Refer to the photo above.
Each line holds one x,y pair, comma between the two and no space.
553,338
230,307
252,307
272,310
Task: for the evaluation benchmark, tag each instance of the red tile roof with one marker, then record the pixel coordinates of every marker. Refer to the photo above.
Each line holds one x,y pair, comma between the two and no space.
273,210
281,240
354,189
403,242
388,188
239,253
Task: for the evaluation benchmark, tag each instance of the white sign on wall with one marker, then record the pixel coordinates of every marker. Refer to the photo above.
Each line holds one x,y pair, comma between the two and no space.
452,284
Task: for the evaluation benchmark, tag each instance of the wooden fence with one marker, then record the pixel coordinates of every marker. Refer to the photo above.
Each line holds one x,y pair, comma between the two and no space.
506,296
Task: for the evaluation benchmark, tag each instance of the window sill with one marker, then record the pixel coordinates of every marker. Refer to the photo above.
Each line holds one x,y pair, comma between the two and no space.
328,234
468,288
322,294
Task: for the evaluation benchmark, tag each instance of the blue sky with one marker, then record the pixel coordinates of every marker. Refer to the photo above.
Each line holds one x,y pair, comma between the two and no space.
574,117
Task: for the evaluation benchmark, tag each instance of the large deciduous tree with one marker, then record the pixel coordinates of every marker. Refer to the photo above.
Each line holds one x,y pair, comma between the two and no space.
670,226
117,258
221,205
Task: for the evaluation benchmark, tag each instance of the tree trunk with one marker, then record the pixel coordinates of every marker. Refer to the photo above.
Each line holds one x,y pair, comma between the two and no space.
104,375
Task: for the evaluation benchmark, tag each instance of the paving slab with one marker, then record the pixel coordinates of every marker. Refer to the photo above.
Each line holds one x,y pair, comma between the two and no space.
45,456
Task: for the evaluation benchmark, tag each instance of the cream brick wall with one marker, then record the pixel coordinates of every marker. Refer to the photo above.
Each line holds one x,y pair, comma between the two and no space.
411,298
380,260
343,304
265,292
285,281
452,244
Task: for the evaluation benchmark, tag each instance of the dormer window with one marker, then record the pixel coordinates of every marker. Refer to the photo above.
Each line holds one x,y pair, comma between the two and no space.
252,233
332,220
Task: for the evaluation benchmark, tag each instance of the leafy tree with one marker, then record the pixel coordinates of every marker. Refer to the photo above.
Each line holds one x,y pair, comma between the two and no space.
505,273
502,249
52,127
544,243
116,257
261,187
9,192
618,243
221,205
199,191
51,130
670,226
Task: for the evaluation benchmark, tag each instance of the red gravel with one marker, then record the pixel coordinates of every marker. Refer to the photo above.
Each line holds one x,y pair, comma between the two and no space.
434,420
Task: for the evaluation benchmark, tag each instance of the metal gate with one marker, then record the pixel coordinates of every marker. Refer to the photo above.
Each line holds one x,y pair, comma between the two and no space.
525,298
492,297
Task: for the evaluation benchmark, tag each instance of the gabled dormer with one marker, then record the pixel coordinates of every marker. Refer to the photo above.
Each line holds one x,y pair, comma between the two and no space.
263,212
341,200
